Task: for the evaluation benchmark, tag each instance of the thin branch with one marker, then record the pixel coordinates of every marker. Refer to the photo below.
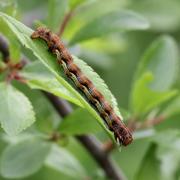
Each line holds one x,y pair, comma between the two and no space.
93,146
65,22
4,49
102,158
151,122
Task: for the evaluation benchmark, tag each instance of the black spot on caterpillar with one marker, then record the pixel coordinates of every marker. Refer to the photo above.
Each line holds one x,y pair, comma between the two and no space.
95,97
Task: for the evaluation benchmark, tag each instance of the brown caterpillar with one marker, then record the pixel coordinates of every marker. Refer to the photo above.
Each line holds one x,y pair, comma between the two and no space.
72,71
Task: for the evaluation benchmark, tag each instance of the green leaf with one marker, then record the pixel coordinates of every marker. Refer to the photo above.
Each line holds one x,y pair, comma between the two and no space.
171,135
104,60
2,64
39,49
111,22
172,108
74,3
144,99
150,166
142,134
24,158
56,12
47,173
46,81
170,160
14,47
61,160
161,59
10,7
98,83
16,110
129,159
163,15
79,122
168,153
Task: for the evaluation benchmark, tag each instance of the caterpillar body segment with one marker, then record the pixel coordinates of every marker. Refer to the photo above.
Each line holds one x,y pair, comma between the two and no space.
85,85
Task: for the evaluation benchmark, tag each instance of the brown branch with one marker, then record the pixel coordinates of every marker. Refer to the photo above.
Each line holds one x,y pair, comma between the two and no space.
13,68
92,145
65,22
102,158
4,49
151,122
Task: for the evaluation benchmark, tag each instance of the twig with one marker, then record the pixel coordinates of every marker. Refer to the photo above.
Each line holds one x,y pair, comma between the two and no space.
13,68
4,49
102,158
151,122
65,22
89,142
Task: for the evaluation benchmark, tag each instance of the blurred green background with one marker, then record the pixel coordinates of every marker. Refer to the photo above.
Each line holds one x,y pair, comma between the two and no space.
115,56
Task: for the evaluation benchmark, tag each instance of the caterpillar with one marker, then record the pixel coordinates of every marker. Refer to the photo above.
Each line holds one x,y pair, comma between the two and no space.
121,133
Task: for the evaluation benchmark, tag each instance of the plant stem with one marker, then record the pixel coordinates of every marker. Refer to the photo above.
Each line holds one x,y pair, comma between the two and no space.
65,22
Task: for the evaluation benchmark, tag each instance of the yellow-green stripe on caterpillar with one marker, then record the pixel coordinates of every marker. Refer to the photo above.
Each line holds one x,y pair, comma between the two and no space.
73,72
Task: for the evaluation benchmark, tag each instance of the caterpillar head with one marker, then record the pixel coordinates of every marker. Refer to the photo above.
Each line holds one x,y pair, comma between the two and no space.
47,36
121,133
40,32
